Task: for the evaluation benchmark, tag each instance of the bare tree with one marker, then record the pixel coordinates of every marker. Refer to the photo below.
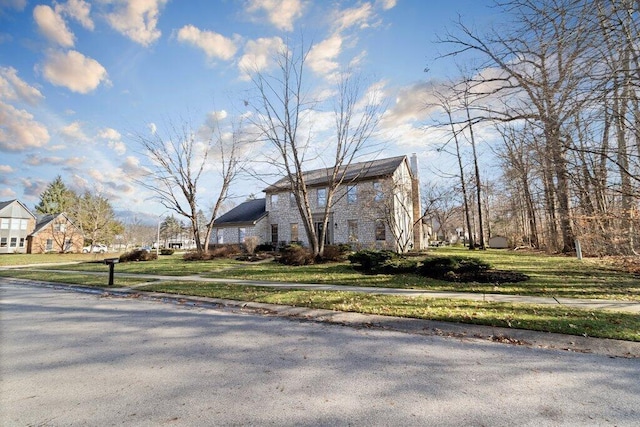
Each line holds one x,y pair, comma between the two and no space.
284,113
542,65
179,160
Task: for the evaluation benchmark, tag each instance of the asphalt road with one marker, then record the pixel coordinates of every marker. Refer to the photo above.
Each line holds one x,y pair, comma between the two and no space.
79,359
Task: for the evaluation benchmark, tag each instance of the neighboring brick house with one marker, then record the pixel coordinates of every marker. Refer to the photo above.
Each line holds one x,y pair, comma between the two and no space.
16,223
245,220
54,233
374,208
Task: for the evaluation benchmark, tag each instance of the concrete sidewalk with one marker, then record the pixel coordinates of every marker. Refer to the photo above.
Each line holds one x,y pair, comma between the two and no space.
586,304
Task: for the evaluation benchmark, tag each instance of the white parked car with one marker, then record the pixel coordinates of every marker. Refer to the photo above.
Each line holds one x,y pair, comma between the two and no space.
98,249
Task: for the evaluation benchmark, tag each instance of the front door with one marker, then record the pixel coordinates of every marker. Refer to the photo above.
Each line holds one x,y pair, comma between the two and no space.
327,237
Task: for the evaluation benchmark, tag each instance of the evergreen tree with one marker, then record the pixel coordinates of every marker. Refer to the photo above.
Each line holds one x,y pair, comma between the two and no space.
57,198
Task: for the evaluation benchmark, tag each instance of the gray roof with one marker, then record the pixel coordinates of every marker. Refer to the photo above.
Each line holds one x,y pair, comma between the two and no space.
44,220
247,212
354,172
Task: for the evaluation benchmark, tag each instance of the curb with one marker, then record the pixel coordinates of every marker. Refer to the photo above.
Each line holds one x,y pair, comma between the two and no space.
461,331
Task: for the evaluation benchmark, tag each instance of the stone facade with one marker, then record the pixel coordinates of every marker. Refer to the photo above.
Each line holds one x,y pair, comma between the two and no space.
375,211
236,233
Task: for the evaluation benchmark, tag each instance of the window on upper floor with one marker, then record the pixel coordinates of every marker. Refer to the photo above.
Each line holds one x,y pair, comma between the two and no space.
322,197
4,223
274,199
378,194
292,200
352,194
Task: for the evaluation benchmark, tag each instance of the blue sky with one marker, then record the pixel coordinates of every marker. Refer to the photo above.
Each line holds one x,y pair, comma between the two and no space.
78,78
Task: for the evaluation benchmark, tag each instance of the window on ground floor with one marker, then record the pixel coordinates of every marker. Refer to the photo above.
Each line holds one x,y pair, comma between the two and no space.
381,232
49,245
3,242
294,232
14,242
274,234
242,233
352,227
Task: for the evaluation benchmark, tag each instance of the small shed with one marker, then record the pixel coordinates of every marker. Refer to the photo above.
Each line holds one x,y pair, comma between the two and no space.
498,242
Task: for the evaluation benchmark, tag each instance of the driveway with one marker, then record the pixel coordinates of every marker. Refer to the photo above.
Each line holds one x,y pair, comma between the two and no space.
79,359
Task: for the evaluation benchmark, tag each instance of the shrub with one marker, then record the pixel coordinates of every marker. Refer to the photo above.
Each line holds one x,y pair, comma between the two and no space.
371,261
197,256
295,255
464,269
250,244
451,267
138,255
265,247
167,251
333,253
399,265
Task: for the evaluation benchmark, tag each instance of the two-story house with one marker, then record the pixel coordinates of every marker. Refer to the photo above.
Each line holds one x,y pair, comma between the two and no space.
377,206
16,223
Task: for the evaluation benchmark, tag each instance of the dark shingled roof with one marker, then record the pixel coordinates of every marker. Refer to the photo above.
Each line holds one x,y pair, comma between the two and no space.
5,204
247,212
354,172
45,220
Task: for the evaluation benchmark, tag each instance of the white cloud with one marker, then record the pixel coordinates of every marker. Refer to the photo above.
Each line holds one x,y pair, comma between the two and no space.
78,10
7,193
110,134
13,88
357,16
386,4
6,169
33,188
113,137
137,19
131,167
52,26
74,71
322,57
213,44
257,55
73,133
19,131
280,13
153,129
36,160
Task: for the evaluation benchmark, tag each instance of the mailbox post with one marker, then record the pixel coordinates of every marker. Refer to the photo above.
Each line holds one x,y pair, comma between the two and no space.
111,262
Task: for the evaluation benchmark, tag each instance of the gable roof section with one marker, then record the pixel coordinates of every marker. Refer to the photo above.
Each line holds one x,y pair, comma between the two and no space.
45,220
248,212
6,204
354,172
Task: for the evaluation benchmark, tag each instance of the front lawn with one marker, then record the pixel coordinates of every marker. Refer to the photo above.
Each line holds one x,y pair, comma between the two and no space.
554,276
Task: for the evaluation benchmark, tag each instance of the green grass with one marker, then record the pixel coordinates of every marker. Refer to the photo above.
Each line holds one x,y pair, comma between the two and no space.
557,319
166,265
25,259
74,278
552,276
